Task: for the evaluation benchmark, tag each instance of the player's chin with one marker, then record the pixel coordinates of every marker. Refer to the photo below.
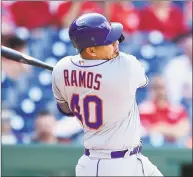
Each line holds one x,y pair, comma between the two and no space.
116,54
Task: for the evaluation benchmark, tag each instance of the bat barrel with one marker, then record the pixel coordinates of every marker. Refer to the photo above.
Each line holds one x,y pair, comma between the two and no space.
22,58
10,54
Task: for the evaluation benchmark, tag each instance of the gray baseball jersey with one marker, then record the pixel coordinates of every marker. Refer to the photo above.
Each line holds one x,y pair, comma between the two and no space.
102,95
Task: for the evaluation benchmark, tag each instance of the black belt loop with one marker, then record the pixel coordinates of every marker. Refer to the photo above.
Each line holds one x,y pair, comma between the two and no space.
86,152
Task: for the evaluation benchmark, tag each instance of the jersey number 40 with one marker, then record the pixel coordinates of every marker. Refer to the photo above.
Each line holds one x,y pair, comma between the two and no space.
85,116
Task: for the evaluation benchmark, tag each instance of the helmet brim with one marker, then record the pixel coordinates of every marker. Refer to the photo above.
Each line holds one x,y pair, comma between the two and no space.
115,33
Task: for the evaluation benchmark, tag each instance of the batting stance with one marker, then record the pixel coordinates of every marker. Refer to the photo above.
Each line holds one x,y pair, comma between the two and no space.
98,86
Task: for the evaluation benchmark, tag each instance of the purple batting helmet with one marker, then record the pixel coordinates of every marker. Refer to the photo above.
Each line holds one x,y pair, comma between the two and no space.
94,29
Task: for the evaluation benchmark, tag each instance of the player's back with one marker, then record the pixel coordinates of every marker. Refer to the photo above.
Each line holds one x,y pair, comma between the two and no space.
101,94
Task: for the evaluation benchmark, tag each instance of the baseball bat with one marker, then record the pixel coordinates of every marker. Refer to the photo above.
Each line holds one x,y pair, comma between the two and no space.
22,58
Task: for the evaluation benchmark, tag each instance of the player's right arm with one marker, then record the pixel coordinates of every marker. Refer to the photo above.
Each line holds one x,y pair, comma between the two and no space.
62,104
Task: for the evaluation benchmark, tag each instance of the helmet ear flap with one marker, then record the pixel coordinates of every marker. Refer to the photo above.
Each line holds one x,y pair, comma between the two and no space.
73,39
122,38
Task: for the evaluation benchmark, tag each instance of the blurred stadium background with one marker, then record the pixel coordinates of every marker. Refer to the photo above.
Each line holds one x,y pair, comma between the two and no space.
158,33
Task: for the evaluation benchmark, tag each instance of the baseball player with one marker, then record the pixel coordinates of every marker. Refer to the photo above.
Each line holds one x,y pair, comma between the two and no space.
98,86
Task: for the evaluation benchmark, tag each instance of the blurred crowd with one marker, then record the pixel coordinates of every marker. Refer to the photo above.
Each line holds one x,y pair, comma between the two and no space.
158,33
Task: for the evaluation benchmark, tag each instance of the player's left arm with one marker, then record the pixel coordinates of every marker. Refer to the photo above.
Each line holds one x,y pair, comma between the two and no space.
141,77
62,104
64,109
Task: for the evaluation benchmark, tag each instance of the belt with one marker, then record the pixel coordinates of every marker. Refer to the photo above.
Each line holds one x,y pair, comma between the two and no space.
119,154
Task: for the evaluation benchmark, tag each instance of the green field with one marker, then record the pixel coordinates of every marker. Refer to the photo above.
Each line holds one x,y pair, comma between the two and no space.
60,160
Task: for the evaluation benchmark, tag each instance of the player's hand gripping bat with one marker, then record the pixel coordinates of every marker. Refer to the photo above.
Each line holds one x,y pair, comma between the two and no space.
22,58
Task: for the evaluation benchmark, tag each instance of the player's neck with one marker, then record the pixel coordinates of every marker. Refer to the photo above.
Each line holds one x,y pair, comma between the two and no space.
86,56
